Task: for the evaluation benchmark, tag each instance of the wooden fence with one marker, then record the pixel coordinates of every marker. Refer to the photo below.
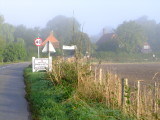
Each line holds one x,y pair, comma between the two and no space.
141,100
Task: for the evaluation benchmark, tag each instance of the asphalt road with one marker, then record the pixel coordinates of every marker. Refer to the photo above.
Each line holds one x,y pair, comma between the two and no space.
13,105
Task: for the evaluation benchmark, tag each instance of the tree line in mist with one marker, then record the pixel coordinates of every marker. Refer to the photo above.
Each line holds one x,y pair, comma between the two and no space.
17,41
132,35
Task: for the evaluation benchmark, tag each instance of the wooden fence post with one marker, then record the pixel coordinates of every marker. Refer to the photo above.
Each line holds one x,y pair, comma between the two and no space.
124,87
138,98
95,74
100,76
90,67
155,97
122,93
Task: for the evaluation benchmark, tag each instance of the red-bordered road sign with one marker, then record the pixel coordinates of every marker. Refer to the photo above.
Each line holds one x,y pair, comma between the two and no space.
38,41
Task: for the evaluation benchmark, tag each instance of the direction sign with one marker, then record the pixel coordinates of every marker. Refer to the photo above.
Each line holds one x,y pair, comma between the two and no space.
38,41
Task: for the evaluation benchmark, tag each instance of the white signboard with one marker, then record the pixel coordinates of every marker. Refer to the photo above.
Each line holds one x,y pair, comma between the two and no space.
146,47
65,47
41,64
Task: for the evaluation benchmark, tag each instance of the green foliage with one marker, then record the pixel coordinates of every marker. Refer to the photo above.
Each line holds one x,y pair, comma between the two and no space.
111,45
152,31
63,28
27,35
131,36
20,50
9,54
8,32
2,46
14,52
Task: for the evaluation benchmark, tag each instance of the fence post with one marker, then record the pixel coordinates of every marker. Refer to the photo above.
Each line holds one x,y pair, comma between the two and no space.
90,67
155,97
123,94
126,88
100,76
95,74
138,98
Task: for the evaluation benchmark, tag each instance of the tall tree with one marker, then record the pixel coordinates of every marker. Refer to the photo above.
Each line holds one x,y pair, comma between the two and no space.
131,36
152,30
14,52
8,32
63,28
28,35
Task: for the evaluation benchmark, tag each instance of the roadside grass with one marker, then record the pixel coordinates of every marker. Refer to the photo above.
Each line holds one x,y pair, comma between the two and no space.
59,100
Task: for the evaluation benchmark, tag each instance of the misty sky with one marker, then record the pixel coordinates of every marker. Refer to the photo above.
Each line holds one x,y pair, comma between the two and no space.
92,14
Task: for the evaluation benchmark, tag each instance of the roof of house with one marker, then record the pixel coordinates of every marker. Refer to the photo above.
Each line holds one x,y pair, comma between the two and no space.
106,37
50,38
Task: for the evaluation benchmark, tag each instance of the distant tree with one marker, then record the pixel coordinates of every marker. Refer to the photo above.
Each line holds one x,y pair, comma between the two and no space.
94,38
131,36
8,32
67,31
82,41
28,35
14,52
110,45
10,53
2,46
152,31
63,28
20,50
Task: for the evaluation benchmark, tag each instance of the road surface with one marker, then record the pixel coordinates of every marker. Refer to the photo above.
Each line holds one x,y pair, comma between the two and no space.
13,105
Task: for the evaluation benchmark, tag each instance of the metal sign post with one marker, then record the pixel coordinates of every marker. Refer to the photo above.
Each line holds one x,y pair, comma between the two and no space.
38,51
48,50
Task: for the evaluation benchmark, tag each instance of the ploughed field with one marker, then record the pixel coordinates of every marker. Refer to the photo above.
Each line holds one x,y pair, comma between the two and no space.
149,72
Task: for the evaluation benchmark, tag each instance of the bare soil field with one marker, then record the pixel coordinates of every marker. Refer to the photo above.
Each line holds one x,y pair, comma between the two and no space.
149,72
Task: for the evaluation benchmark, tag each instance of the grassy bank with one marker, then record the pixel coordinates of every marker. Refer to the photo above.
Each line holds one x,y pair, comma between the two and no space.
59,98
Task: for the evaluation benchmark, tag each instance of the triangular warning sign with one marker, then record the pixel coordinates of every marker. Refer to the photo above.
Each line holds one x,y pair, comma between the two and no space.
48,47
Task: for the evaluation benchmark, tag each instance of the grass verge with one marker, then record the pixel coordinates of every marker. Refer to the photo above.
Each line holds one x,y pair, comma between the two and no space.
60,102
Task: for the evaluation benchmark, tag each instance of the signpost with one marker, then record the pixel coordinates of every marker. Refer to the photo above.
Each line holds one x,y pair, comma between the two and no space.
38,42
43,63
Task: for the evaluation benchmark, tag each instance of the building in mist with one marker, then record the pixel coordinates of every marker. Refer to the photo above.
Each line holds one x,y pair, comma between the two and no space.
106,37
107,42
146,48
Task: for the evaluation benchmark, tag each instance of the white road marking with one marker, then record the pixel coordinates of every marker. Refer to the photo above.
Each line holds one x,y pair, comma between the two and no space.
4,67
